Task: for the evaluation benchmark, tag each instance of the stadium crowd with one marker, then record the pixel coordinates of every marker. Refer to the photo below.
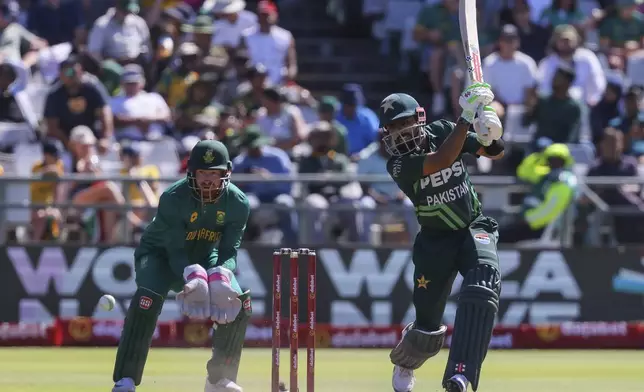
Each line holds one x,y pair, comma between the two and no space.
122,87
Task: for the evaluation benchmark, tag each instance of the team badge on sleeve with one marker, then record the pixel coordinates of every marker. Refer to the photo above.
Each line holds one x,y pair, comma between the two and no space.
482,238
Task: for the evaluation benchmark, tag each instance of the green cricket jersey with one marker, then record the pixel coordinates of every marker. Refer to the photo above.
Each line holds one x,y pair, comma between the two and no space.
445,200
186,231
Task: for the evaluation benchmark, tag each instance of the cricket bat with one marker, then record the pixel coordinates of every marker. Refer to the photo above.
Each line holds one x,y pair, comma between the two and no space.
470,38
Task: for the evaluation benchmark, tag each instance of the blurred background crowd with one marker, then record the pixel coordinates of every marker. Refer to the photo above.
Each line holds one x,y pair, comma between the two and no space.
126,88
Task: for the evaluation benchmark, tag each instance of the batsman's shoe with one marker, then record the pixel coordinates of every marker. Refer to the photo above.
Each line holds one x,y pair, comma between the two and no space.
223,385
458,383
124,385
403,380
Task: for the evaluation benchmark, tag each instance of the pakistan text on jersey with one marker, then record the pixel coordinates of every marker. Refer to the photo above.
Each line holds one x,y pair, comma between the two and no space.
449,195
203,234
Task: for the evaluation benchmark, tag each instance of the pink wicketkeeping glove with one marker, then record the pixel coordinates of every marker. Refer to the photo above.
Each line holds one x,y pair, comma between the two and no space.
194,300
224,300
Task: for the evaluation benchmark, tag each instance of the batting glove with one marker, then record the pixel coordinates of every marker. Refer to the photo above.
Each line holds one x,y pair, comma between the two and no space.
474,97
224,300
194,300
488,126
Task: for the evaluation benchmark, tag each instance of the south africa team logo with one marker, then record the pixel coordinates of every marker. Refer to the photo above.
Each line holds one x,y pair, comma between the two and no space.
193,217
208,157
219,219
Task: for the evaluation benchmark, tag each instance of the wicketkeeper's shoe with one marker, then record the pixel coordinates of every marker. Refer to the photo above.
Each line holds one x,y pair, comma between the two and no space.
223,385
124,385
457,383
403,380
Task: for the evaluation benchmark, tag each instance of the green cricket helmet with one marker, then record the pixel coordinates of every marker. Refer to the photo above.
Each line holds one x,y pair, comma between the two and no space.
401,122
209,155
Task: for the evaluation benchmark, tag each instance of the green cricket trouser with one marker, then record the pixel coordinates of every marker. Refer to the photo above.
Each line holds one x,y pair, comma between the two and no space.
154,273
438,256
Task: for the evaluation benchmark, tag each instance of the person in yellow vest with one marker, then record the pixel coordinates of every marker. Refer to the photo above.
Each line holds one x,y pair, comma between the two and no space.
45,221
145,192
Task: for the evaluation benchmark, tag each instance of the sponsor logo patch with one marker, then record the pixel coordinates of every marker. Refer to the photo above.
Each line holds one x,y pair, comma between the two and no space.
482,238
145,303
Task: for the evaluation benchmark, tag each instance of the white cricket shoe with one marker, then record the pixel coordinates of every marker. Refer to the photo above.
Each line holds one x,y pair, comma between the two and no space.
125,384
223,385
403,380
457,383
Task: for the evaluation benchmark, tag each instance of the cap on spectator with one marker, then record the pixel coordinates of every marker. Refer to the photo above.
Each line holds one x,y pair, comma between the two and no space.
203,24
130,5
210,78
83,135
51,147
509,31
273,94
567,71
257,69
266,7
328,104
228,7
70,61
131,150
132,73
568,32
253,137
188,49
321,127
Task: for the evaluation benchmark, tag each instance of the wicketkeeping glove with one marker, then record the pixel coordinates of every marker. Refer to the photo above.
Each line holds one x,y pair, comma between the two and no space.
474,97
488,126
194,300
224,300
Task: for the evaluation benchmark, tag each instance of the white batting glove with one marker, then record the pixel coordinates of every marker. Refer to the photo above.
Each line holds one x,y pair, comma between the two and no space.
474,97
194,300
488,126
224,300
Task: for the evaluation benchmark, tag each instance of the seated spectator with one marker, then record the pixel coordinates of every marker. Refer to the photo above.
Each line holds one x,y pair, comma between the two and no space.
632,98
510,72
143,194
590,81
382,194
120,34
176,79
232,19
57,21
259,158
605,111
272,45
635,138
75,102
250,93
227,131
138,114
562,12
558,116
281,121
323,160
108,73
552,196
362,127
198,112
201,31
45,221
635,68
14,37
622,26
236,74
327,110
533,38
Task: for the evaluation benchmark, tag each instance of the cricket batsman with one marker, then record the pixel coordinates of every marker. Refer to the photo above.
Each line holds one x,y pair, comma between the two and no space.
191,248
455,236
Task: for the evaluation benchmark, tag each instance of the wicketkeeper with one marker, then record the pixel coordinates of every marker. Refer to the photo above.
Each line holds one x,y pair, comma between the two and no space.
455,236
191,248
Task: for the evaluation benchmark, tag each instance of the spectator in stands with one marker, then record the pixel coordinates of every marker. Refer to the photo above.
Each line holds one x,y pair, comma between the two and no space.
589,82
232,20
533,38
260,158
323,160
362,127
635,138
9,108
108,72
327,110
250,93
510,72
272,45
176,79
57,21
198,112
624,25
138,114
144,193
382,194
76,102
632,99
120,34
280,120
557,116
45,221
562,12
553,194
200,31
236,73
606,110
635,68
14,37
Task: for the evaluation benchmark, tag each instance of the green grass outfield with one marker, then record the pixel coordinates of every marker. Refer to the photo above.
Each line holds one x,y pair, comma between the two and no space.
179,370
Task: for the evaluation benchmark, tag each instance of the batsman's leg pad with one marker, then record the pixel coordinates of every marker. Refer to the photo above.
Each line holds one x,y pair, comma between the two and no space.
140,322
227,344
417,346
478,304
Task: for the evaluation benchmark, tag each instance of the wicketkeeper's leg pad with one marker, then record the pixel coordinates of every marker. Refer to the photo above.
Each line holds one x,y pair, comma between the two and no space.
417,346
137,334
227,344
478,304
